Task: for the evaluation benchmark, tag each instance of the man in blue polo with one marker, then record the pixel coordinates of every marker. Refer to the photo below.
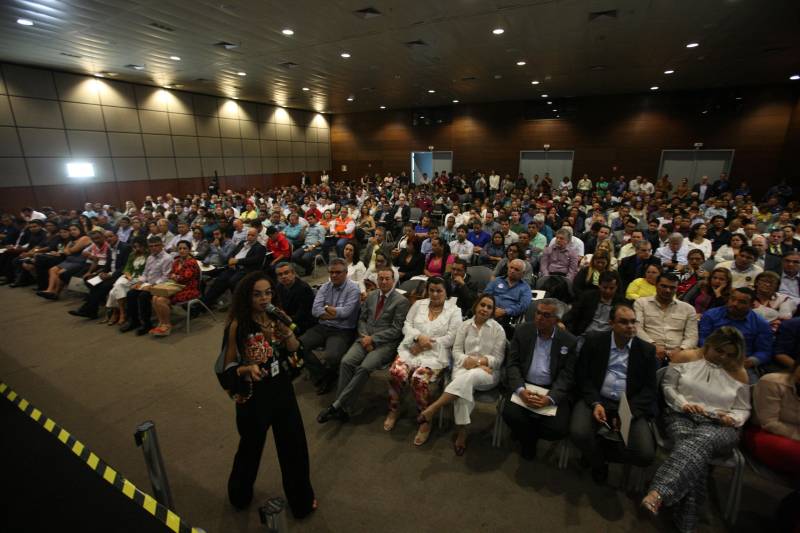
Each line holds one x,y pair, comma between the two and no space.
512,296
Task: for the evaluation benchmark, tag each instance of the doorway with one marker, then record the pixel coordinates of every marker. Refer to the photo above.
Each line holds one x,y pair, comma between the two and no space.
429,163
694,164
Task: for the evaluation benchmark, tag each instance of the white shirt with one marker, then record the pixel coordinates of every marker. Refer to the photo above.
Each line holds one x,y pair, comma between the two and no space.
707,385
489,341
673,327
575,244
464,250
494,181
442,331
510,238
634,186
647,188
704,247
741,278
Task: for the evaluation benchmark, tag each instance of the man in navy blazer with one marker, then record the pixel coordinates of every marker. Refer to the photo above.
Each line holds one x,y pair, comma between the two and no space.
612,364
541,354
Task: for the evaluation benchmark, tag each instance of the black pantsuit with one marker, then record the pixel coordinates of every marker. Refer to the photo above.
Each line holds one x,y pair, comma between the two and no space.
273,404
139,306
528,427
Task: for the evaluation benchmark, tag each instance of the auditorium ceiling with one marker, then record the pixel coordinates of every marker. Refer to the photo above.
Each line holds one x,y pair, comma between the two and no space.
410,53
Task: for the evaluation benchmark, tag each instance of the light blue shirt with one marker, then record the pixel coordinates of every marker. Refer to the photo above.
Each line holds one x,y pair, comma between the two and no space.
617,372
315,235
539,372
515,300
346,298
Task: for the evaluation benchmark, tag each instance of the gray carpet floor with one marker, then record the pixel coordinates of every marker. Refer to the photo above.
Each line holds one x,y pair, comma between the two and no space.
99,384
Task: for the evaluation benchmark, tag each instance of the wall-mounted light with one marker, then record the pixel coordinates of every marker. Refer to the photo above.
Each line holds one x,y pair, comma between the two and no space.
80,170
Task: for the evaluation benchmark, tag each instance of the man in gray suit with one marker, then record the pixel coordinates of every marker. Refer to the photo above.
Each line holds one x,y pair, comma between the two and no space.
378,243
380,328
541,354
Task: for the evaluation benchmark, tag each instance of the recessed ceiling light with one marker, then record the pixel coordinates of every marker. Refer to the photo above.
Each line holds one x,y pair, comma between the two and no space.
554,110
794,77
669,72
654,88
692,45
287,31
705,112
455,101
235,97
521,63
549,102
383,107
168,86
738,97
345,55
558,116
431,91
350,98
175,58
306,89
25,22
535,82
544,96
498,31
241,73
138,67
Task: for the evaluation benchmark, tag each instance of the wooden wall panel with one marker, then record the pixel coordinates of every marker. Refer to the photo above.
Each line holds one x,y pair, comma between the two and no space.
61,196
105,193
12,199
134,191
627,131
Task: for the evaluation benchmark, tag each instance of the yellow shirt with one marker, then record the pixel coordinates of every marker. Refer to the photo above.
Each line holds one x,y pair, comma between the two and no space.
638,288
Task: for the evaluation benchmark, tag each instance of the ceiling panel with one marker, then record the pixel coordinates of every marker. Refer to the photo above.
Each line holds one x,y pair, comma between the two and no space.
566,48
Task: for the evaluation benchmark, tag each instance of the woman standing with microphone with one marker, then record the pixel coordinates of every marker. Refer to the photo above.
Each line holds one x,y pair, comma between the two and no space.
254,368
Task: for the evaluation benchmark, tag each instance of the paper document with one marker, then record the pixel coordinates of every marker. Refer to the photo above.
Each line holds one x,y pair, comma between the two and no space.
419,278
207,268
550,410
625,417
97,280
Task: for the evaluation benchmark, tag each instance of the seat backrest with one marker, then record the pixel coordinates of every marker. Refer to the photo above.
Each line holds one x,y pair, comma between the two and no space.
415,214
481,275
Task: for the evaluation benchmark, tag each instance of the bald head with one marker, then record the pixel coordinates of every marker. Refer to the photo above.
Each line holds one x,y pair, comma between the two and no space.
516,268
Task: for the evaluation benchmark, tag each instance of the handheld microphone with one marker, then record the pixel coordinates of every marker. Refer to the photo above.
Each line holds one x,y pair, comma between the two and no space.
277,314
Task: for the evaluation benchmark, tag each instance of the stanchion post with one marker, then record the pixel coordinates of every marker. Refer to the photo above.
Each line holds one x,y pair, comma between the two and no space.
146,437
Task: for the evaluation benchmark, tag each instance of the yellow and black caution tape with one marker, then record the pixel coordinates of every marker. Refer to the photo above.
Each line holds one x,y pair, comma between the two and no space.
114,478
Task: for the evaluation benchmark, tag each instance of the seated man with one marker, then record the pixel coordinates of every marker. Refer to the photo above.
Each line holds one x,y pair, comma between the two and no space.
743,268
757,333
109,272
673,255
551,365
591,312
312,245
219,249
247,257
295,297
278,246
458,284
461,247
634,267
790,275
512,296
138,304
787,343
375,245
612,364
559,258
380,328
336,306
664,321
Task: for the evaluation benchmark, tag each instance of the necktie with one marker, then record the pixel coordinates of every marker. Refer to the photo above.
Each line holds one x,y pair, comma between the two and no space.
775,250
379,308
674,257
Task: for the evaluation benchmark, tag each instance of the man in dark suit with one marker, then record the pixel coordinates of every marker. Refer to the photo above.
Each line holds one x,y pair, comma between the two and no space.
592,310
377,243
116,258
541,354
788,268
248,256
380,330
295,296
634,266
400,214
703,189
458,283
610,365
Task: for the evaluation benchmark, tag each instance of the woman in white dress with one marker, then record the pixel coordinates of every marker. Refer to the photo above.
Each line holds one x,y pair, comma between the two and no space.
355,268
728,252
697,239
478,353
428,336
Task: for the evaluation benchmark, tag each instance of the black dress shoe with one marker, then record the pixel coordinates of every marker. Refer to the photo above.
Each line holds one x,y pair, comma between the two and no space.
326,384
78,312
127,326
332,413
528,452
144,330
600,473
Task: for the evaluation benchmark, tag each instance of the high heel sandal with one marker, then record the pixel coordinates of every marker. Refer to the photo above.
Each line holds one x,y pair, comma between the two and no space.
422,436
391,421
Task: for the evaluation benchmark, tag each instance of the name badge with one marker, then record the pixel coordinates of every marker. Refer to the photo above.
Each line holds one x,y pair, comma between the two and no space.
499,285
564,350
274,368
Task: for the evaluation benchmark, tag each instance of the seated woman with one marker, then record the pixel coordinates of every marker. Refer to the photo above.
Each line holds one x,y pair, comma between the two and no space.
708,401
428,335
132,270
410,261
370,280
606,245
200,246
494,251
588,277
773,437
728,252
366,222
74,262
478,353
772,306
712,293
355,268
186,272
697,239
42,258
440,259
513,252
644,286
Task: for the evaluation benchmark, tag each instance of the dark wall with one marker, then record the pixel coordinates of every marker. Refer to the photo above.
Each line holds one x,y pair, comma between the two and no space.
624,131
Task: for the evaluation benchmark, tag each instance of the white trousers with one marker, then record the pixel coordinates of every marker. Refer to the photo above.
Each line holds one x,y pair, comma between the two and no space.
464,383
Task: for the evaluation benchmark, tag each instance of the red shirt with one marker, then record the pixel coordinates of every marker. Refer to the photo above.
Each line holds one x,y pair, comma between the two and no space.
279,247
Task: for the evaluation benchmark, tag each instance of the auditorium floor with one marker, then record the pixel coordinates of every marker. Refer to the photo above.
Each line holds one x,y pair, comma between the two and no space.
100,384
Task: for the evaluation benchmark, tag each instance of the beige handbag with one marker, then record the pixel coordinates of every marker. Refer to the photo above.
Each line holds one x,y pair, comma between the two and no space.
166,289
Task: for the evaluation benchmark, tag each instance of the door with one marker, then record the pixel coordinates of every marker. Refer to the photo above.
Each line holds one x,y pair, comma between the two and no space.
421,163
442,162
694,164
558,163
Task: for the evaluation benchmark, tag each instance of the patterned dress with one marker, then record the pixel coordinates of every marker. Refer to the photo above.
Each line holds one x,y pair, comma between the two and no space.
187,273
